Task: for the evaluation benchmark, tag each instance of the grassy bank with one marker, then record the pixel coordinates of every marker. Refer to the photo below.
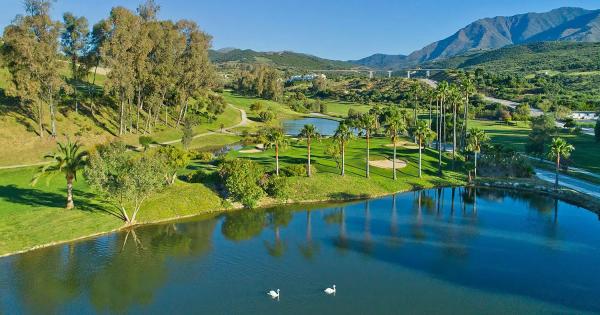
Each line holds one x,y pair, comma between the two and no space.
35,216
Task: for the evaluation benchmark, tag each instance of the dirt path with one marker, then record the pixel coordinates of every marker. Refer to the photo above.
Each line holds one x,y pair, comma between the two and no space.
227,130
242,123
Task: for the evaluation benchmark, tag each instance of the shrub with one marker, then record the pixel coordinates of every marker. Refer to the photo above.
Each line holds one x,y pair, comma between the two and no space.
266,116
145,142
297,170
203,156
172,159
323,109
256,106
278,187
242,180
203,176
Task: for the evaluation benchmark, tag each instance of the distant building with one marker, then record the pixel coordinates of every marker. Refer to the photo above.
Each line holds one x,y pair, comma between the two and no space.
584,115
306,77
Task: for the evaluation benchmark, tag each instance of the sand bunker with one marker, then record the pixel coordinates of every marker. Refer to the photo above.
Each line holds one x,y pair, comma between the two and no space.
404,144
388,164
258,148
250,151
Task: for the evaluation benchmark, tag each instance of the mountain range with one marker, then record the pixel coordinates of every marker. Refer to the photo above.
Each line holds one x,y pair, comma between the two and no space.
282,59
565,24
562,24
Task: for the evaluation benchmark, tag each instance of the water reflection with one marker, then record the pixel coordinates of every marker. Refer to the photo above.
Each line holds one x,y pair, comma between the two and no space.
491,241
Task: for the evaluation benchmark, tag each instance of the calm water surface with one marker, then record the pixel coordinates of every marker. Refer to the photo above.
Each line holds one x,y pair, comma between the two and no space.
325,127
432,252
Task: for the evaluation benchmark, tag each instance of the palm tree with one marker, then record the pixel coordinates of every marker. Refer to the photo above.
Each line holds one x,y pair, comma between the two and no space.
559,147
276,138
415,92
455,98
475,139
468,88
342,136
395,124
368,123
442,93
309,132
68,160
423,133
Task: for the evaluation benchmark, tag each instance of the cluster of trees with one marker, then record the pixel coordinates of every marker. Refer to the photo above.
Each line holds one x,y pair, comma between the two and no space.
124,179
259,80
152,64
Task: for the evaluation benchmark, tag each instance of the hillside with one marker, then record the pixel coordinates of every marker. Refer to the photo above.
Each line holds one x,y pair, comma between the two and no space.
283,59
563,24
528,58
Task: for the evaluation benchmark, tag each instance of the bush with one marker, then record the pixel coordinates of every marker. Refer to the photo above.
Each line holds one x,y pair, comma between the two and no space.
203,156
323,109
203,176
256,106
297,170
242,180
278,187
266,116
145,142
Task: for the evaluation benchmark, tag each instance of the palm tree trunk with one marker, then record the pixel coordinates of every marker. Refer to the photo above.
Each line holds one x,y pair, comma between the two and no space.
394,161
343,159
475,165
454,136
557,170
420,156
308,168
70,203
464,140
277,159
368,149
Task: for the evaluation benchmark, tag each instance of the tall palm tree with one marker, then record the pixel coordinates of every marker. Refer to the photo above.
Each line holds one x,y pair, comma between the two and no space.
475,139
368,123
342,136
559,148
68,160
395,124
416,90
468,88
423,133
276,138
309,132
455,98
442,93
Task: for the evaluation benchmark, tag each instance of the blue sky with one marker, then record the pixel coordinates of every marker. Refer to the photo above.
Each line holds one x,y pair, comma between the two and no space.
339,29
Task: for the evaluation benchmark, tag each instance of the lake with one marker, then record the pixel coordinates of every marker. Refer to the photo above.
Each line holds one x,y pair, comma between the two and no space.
325,127
440,251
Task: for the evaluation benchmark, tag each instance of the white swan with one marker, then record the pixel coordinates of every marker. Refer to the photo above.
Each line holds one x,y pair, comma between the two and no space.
273,294
330,290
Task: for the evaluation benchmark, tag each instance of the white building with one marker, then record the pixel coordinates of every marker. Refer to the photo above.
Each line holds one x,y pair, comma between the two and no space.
584,115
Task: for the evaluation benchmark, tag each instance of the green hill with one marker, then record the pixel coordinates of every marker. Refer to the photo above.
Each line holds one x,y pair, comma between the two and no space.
283,59
530,58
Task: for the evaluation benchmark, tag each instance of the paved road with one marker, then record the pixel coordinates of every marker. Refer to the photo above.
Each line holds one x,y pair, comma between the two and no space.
570,182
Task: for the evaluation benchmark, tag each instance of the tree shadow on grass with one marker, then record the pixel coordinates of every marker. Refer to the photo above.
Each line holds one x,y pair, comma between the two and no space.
38,198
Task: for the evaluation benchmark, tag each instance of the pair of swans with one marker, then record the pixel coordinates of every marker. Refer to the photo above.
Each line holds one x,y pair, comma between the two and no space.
275,294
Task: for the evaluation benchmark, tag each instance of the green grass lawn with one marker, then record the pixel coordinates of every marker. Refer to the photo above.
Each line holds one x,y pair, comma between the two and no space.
340,108
328,184
585,156
32,216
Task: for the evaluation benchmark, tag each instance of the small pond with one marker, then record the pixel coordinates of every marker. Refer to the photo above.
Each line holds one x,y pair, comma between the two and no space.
324,126
441,251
